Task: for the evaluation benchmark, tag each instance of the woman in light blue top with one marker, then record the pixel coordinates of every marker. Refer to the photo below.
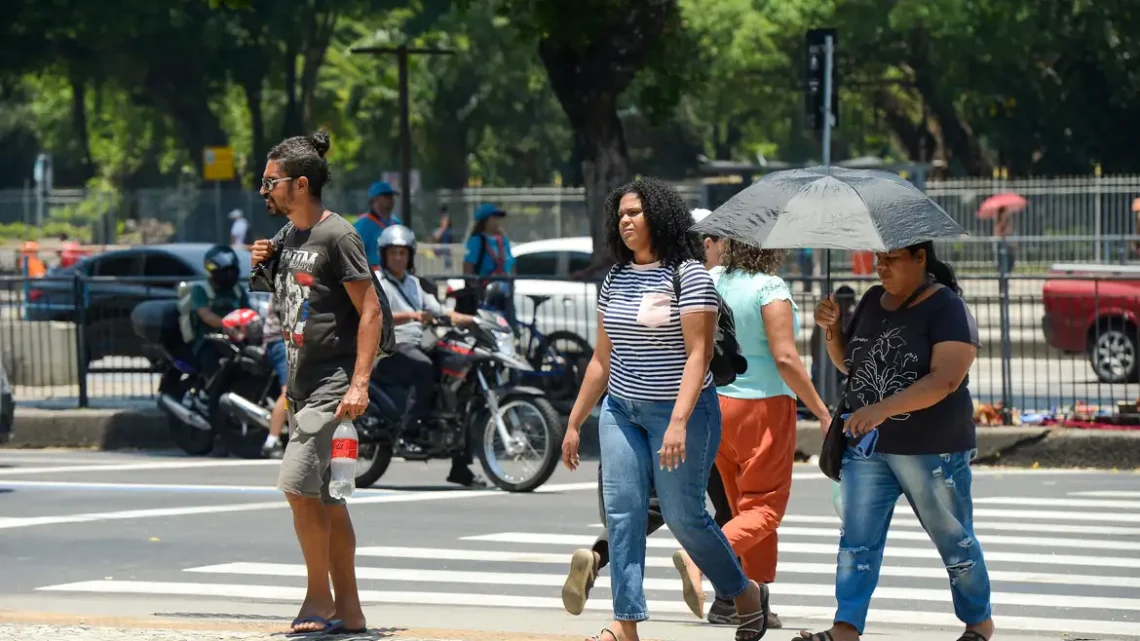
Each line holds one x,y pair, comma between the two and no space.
758,438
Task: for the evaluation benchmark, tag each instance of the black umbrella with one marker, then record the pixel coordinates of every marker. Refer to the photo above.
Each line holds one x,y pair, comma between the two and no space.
831,208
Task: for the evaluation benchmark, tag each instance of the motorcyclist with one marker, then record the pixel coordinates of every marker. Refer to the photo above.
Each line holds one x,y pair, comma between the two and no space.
412,307
209,304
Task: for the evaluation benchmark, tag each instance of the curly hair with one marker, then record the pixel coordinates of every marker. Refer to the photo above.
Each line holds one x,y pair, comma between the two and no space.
304,156
668,220
742,257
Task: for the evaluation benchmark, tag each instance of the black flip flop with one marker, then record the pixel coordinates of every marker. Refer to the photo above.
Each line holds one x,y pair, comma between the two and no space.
598,636
816,636
970,635
754,625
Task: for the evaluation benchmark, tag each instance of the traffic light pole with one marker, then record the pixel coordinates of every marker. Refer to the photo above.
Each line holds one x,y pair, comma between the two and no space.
826,368
402,53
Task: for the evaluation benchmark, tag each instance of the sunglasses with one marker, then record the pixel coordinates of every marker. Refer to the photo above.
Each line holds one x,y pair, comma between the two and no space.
269,183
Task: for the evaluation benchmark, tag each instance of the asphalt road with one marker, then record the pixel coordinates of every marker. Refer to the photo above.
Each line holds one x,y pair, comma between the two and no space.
138,535
1036,383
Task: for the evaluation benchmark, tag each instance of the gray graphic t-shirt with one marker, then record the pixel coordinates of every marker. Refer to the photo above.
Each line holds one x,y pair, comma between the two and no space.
894,350
318,320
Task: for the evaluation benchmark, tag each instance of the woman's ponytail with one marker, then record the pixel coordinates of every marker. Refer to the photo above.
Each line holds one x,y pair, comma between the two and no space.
942,272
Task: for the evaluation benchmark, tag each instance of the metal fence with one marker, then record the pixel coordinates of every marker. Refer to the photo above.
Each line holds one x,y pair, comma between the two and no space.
1066,219
1069,342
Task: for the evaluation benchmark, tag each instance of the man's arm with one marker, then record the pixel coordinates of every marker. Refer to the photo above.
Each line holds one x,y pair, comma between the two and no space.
367,304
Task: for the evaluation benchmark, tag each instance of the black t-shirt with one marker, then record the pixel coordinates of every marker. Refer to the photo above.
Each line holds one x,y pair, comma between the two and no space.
318,320
901,344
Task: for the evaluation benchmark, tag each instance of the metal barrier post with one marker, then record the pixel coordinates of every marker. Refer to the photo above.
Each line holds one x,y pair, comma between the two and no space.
80,300
1006,342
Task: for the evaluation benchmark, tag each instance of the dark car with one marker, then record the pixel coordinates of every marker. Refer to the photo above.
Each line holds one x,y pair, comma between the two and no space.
7,407
111,284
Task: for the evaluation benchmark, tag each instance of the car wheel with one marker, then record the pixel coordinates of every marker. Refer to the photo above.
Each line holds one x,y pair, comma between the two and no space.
1113,352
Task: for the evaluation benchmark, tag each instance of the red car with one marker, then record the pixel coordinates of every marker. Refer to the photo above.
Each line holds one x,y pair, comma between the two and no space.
1095,309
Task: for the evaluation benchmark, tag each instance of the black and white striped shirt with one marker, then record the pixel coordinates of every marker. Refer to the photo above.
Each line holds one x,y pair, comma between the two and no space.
642,318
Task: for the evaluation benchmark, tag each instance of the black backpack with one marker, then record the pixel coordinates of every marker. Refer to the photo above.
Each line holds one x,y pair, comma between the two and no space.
727,362
262,278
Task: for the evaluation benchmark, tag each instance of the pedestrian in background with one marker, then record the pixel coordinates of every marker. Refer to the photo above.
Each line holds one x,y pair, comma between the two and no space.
908,352
370,224
758,439
330,314
660,422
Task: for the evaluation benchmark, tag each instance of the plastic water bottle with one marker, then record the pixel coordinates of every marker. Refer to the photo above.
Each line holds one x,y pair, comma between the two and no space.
344,448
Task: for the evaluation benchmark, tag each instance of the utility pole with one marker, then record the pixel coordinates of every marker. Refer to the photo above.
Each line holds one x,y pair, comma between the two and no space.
402,53
822,113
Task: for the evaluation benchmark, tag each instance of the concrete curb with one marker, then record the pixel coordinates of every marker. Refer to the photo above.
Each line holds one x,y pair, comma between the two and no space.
1014,446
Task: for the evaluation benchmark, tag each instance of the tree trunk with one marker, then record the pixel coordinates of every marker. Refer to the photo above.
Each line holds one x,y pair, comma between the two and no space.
292,124
79,120
260,145
316,46
605,164
182,93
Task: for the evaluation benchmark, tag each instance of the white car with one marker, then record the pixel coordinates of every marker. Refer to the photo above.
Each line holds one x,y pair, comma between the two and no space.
543,269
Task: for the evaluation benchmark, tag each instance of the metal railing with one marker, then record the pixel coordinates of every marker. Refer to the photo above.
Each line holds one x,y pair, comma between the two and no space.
1047,344
1091,206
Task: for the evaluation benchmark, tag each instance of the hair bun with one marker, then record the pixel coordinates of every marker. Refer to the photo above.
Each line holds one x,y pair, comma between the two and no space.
320,141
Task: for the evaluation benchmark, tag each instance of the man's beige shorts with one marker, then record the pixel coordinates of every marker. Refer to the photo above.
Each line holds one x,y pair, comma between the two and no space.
306,465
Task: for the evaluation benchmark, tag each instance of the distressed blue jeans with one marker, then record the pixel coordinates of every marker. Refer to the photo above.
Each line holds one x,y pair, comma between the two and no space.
630,434
937,486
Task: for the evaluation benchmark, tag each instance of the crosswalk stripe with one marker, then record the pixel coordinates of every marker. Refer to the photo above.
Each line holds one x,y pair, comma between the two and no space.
907,520
279,593
1057,502
785,567
556,580
990,539
1124,494
535,538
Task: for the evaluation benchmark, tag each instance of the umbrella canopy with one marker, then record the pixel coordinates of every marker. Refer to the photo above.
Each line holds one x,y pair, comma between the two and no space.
831,208
1008,200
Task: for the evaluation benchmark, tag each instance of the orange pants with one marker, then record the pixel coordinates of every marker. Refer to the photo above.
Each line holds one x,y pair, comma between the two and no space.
757,449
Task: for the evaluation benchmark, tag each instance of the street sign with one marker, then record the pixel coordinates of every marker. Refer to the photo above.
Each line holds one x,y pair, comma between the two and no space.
218,163
816,64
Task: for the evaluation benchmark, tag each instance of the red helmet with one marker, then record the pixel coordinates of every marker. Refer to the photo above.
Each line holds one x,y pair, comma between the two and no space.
244,326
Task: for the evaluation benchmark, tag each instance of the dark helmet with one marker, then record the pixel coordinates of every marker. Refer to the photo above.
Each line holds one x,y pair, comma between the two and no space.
398,236
221,264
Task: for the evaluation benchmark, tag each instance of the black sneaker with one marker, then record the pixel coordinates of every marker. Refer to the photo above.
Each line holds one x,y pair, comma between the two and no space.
466,478
723,613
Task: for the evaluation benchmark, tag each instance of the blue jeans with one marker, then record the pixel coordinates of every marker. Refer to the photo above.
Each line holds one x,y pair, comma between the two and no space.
630,434
937,486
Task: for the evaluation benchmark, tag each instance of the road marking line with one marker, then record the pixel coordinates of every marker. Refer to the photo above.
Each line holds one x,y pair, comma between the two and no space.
415,575
391,497
990,539
536,538
908,520
1058,502
279,593
172,464
171,487
1124,494
934,570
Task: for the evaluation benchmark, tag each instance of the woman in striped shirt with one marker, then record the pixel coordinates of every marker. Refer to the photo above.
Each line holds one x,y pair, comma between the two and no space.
660,423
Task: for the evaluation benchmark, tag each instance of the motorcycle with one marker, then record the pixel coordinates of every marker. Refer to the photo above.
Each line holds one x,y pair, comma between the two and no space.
474,403
234,403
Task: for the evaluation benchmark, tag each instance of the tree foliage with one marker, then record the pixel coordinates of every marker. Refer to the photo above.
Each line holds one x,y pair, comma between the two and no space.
125,93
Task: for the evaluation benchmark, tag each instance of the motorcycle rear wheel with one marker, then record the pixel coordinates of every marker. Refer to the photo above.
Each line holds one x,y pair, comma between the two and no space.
551,431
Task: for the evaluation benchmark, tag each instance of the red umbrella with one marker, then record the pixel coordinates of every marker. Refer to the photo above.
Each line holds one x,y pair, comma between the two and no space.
1009,201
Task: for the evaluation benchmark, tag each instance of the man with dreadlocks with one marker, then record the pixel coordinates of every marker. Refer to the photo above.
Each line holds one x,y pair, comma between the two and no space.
331,322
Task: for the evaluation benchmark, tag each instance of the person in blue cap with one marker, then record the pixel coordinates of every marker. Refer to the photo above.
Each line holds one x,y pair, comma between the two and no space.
370,224
488,248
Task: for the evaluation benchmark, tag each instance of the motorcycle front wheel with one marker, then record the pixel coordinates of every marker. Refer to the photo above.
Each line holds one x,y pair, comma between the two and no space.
533,448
